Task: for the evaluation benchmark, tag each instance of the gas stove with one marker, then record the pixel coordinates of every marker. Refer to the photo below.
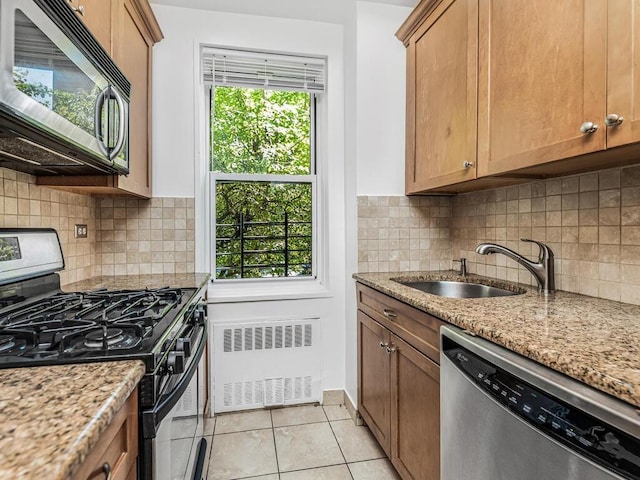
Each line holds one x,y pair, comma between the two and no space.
165,328
42,325
88,326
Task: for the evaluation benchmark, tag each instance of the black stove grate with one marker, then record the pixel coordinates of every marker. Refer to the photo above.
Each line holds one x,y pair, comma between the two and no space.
70,324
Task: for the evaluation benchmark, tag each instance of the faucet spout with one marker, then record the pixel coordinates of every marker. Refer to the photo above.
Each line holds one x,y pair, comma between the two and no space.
542,270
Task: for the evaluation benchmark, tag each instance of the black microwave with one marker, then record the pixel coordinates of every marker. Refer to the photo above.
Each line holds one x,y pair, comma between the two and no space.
64,104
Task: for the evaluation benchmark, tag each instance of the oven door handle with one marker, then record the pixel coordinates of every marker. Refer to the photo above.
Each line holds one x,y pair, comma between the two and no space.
151,419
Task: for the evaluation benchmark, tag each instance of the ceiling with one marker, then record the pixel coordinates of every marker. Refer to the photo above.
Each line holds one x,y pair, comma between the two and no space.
213,5
332,11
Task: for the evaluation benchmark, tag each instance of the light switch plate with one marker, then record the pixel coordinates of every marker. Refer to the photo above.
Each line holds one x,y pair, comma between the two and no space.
81,231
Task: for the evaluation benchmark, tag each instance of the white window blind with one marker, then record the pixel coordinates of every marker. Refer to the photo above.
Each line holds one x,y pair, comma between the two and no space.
271,71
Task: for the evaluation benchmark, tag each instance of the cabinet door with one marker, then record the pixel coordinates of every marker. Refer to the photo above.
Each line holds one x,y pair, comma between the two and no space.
97,15
441,98
133,56
415,413
542,68
117,447
623,79
374,390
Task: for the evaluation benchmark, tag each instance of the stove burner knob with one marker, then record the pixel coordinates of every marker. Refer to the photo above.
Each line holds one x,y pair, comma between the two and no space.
184,345
175,363
200,314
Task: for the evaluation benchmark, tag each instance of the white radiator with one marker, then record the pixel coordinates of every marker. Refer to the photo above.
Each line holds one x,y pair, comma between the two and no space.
266,363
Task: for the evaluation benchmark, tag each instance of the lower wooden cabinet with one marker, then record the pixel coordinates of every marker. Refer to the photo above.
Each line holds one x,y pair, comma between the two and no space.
374,379
117,449
415,413
399,386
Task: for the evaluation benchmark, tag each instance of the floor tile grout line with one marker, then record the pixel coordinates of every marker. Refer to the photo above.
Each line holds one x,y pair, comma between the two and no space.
275,445
340,447
314,468
243,431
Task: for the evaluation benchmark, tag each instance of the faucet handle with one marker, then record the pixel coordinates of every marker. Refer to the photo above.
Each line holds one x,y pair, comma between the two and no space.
463,265
545,251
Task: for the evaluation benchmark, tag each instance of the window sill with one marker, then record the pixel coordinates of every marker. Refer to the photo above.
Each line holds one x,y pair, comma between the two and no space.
231,292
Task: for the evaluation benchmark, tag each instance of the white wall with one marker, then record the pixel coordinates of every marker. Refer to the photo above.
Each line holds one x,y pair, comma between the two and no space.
177,154
380,111
381,99
366,130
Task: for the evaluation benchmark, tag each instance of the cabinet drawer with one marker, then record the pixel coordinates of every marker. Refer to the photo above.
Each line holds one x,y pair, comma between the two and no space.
117,446
417,328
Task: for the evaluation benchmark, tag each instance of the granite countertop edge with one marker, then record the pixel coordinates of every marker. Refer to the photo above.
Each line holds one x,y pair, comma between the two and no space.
129,282
47,432
523,320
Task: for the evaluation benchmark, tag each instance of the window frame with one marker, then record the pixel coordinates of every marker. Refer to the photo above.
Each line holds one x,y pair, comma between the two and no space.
311,178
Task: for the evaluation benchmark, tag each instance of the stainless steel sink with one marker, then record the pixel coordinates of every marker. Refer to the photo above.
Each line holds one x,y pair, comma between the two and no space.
453,289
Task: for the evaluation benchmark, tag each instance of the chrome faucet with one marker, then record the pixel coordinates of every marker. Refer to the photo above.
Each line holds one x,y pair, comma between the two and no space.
542,270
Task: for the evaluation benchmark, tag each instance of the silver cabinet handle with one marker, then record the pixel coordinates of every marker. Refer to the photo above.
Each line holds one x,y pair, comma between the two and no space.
588,127
79,9
613,120
467,164
389,314
391,349
382,344
106,469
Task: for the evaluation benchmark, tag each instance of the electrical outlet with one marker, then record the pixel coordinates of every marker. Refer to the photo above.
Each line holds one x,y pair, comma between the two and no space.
81,231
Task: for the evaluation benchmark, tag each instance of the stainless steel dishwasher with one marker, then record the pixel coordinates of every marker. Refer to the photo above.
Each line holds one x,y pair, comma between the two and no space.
505,417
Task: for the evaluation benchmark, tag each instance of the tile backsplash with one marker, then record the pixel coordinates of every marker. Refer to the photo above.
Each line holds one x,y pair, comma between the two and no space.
590,221
146,236
24,204
125,235
403,233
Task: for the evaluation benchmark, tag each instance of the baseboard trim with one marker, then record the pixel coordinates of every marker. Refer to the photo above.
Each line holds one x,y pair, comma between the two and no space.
340,397
333,397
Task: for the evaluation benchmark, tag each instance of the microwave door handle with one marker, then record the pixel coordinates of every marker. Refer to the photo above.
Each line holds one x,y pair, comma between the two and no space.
122,125
98,130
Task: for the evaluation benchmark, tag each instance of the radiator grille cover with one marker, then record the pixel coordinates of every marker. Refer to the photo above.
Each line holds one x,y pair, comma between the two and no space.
266,363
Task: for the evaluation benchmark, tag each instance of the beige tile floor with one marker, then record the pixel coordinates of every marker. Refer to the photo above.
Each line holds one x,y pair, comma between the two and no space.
294,443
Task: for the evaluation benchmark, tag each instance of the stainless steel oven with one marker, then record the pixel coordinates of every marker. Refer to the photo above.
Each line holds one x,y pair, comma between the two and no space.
64,105
172,434
164,327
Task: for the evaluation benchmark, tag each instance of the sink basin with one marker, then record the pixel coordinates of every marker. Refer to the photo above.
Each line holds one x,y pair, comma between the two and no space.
459,289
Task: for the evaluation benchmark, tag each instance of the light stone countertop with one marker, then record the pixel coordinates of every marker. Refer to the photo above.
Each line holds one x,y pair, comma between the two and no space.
593,340
51,417
133,282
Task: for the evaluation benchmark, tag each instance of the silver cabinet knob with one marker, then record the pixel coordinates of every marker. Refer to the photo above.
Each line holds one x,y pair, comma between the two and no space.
588,127
80,10
613,120
467,164
390,349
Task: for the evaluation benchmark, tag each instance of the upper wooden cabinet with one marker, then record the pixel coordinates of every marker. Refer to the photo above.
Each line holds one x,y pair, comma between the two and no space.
97,15
623,79
441,97
133,32
542,75
552,78
133,52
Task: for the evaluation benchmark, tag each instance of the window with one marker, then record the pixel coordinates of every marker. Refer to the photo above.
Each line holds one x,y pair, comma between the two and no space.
262,162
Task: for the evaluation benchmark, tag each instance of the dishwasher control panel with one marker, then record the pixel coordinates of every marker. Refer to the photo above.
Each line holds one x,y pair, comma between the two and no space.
565,423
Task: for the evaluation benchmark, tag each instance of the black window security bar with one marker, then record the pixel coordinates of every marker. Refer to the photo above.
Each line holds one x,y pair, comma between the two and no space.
256,249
